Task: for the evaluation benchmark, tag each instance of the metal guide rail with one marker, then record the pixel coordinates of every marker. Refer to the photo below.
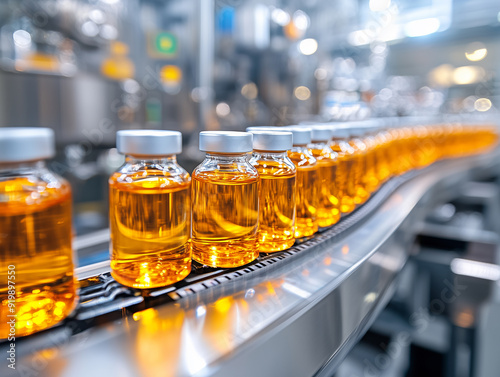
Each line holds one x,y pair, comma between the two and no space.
361,254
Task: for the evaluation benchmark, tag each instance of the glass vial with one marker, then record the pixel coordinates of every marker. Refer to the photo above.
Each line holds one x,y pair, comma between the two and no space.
383,142
149,211
370,180
277,175
225,207
344,179
35,234
307,198
359,191
328,212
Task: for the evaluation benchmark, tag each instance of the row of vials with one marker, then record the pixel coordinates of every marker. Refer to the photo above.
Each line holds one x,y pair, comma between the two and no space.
255,192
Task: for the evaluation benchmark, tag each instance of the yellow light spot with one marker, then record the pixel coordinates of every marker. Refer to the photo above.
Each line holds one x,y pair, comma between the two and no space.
482,104
58,312
146,315
467,75
249,91
302,93
270,289
223,305
476,51
170,74
165,43
345,249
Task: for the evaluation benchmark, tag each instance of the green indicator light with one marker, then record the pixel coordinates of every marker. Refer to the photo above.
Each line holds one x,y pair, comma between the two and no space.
166,43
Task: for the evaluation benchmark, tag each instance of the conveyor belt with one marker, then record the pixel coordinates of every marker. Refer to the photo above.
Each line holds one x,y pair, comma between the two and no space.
103,299
363,252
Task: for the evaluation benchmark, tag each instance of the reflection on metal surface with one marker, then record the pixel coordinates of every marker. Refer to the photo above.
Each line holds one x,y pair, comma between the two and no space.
158,342
295,290
475,269
370,297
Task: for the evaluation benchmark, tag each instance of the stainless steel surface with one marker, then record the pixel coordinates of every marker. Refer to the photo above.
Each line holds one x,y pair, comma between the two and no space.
290,320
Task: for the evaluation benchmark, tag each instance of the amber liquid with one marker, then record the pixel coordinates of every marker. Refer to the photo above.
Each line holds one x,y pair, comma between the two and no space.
328,212
150,226
307,198
356,188
225,218
421,146
276,205
35,237
401,151
344,180
383,166
370,179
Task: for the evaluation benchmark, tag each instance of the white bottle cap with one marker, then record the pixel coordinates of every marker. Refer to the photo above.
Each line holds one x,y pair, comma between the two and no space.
225,141
301,134
149,142
272,140
357,131
18,144
265,128
340,132
320,133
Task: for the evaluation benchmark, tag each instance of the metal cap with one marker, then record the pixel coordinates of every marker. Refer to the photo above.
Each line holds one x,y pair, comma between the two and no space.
272,140
265,128
225,141
301,135
149,142
357,131
321,133
19,144
339,132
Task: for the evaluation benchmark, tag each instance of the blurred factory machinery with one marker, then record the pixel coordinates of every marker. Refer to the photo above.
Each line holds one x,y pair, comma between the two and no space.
89,68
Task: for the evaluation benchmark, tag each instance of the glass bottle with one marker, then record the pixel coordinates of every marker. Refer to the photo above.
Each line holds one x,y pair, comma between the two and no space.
225,196
37,263
328,212
359,191
149,211
383,165
370,179
344,179
307,198
277,175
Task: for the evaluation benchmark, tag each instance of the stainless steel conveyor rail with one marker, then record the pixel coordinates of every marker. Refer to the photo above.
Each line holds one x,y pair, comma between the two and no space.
296,313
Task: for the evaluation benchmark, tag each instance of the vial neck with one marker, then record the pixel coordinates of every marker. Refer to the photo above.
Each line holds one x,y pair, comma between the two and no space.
157,160
227,158
22,167
318,145
271,154
299,148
